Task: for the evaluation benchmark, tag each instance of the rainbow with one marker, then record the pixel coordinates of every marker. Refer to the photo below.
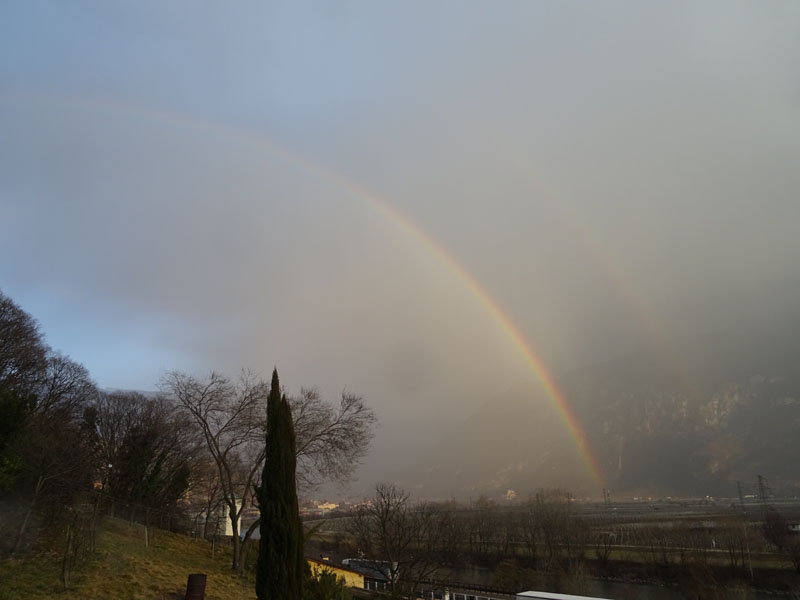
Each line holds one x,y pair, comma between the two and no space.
400,221
605,261
537,365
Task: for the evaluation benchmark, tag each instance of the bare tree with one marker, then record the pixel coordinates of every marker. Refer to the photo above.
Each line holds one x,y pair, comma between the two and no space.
231,418
602,540
205,494
559,527
145,450
530,529
64,388
483,526
659,544
56,465
775,527
398,539
509,575
792,551
43,453
732,538
451,531
330,440
54,452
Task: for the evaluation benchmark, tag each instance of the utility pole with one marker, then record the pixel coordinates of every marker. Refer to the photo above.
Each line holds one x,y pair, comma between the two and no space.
764,493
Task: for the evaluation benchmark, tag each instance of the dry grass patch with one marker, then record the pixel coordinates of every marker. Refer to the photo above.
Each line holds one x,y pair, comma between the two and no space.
123,567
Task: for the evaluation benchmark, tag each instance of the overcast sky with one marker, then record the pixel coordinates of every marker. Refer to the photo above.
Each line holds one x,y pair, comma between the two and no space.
187,185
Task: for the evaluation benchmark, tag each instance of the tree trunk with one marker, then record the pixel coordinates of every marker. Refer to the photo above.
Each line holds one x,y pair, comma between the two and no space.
67,562
214,541
233,515
24,524
205,524
237,553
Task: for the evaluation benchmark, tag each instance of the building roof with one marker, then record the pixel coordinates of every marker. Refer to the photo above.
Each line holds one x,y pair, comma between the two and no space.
332,565
554,596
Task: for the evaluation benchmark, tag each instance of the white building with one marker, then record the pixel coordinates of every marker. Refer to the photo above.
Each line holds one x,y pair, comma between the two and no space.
220,518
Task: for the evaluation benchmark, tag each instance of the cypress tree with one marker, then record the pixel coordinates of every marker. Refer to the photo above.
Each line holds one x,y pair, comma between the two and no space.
281,566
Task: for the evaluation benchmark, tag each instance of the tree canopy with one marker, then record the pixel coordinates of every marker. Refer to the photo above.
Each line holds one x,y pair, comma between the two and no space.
231,417
45,451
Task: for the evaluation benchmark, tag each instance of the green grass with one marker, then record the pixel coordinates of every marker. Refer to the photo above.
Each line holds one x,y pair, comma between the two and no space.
123,567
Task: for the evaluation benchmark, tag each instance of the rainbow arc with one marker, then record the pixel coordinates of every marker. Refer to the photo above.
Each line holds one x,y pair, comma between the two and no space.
411,229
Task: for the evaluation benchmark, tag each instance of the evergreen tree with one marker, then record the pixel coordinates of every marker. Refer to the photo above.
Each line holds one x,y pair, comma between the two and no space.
325,585
281,566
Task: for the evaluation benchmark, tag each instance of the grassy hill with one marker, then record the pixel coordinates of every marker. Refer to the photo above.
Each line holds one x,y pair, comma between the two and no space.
123,567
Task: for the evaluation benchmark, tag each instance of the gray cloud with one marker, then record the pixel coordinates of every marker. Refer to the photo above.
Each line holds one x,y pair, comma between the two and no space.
610,174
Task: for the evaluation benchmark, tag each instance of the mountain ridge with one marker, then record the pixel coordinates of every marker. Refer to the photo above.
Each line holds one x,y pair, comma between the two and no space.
725,409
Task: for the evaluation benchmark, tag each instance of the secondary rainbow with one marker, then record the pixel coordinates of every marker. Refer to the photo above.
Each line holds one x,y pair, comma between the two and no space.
597,252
